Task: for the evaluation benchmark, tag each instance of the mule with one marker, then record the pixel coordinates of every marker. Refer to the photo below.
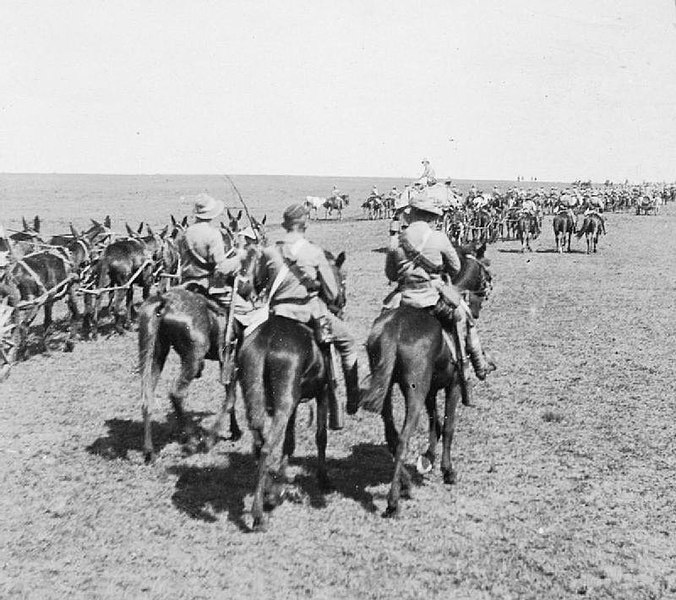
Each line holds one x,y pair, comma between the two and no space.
564,227
280,366
189,323
592,227
406,347
123,264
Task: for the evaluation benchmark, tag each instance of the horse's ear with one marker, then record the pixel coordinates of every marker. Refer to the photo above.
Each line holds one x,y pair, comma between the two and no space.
97,224
340,259
106,221
239,214
480,251
163,233
150,231
129,230
184,222
173,221
24,223
36,224
265,218
74,232
227,211
140,228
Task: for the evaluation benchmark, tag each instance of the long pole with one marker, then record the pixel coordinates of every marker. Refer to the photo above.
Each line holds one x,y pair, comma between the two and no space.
246,208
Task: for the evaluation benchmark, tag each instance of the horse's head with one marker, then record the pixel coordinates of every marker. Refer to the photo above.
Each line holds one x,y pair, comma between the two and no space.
474,276
337,264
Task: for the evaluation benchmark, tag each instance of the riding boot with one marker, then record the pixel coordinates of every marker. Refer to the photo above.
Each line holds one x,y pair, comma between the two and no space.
352,388
481,362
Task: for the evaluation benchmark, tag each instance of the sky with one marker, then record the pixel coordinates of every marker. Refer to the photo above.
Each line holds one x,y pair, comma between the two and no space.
492,89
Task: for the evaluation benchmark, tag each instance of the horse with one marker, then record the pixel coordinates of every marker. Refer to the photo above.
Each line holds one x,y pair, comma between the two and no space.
281,365
373,207
406,346
313,204
592,227
123,264
564,225
526,229
188,322
337,203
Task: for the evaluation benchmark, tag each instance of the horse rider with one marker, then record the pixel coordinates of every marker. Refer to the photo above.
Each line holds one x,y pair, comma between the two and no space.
308,290
201,247
335,192
416,260
428,177
374,192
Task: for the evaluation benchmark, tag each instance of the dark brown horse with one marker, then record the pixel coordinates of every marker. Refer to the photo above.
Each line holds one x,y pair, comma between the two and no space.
191,324
281,365
592,227
564,227
406,347
337,204
526,230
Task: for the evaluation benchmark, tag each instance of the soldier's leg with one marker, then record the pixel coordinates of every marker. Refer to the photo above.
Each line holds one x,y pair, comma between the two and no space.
466,324
347,348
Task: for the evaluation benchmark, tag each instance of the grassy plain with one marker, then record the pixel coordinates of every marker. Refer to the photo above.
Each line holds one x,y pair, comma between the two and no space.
567,465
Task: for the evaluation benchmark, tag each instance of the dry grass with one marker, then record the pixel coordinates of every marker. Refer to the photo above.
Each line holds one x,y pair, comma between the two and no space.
566,466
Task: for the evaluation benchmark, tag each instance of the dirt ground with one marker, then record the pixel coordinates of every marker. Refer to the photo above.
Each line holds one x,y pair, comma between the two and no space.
566,465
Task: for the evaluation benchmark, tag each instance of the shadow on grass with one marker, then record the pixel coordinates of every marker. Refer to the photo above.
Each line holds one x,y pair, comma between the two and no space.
125,435
204,492
555,251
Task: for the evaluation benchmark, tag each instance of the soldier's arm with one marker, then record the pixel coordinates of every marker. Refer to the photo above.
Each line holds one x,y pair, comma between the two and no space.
450,257
329,285
225,265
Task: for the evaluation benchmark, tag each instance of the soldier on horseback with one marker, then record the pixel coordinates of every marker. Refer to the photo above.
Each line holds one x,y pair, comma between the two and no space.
417,260
428,177
530,208
301,286
201,247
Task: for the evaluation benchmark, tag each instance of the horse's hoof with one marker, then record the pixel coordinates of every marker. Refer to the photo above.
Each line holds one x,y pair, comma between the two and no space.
423,465
450,477
235,435
260,525
149,457
70,345
391,512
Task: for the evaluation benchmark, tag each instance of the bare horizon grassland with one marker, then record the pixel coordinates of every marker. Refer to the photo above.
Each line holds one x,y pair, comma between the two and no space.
566,465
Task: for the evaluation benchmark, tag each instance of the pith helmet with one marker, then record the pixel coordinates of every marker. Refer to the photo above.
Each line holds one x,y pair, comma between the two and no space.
207,208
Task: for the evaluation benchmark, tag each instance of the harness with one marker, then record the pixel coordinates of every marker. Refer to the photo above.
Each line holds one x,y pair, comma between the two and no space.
416,256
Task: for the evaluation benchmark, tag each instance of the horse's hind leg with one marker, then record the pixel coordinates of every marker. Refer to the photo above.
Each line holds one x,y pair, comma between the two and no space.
426,460
150,374
190,367
321,439
401,480
75,317
48,307
452,397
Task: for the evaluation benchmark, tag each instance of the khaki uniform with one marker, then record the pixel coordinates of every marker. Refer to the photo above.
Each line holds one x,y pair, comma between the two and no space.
202,254
306,289
420,288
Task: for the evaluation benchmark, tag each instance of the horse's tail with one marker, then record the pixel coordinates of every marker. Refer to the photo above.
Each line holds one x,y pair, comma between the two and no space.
149,316
582,230
379,381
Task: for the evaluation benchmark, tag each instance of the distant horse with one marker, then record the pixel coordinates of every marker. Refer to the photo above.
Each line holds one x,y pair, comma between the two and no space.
313,204
123,264
373,207
564,226
592,227
337,204
189,323
280,366
406,346
28,240
526,230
